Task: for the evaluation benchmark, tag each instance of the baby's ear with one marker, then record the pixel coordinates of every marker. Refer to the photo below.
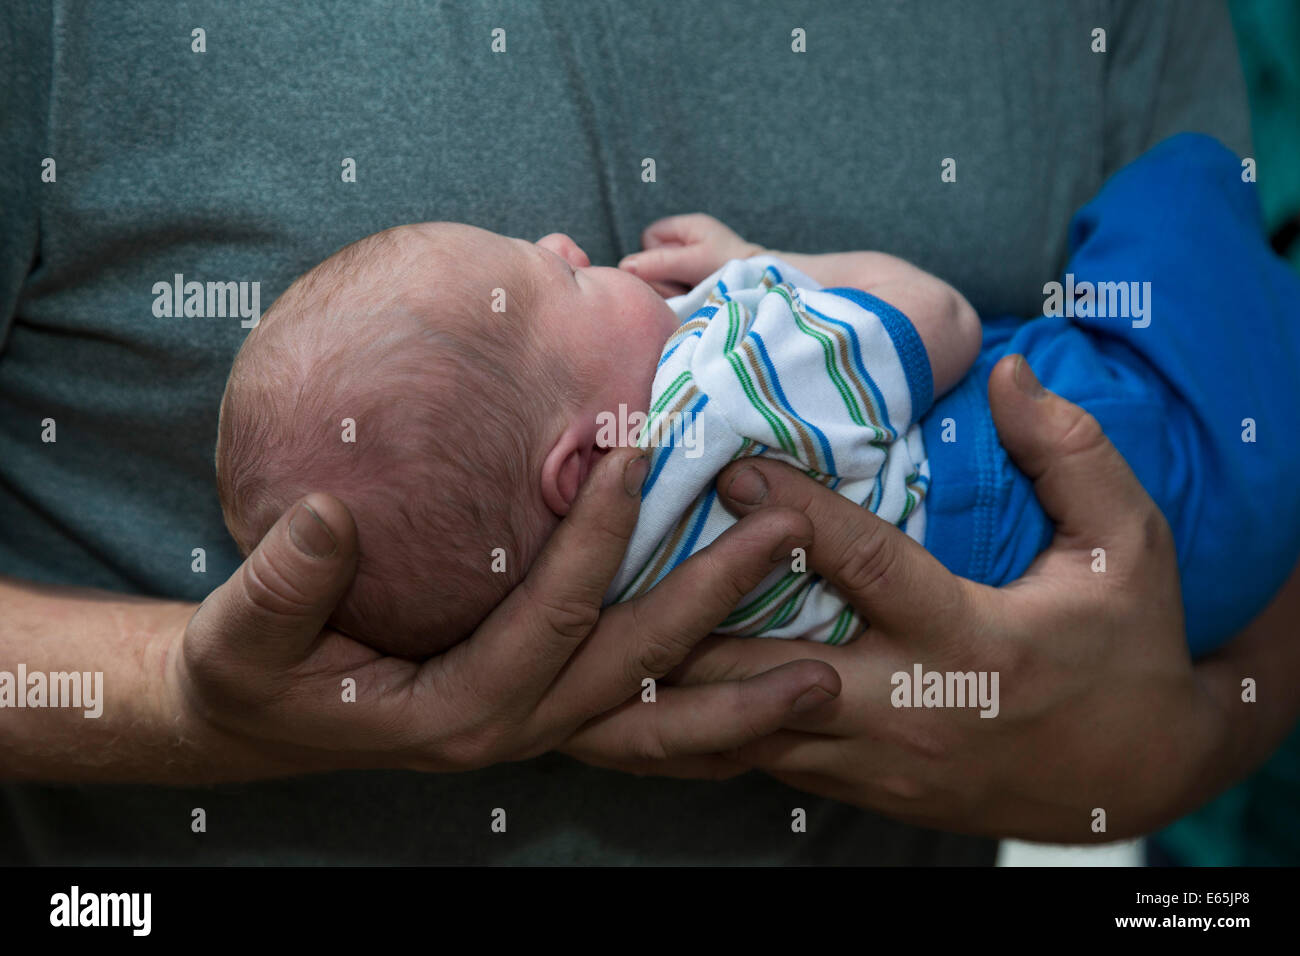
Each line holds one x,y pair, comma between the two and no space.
567,465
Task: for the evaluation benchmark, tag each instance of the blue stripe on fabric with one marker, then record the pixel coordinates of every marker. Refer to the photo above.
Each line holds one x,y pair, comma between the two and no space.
780,396
907,342
687,547
676,345
870,382
705,312
664,452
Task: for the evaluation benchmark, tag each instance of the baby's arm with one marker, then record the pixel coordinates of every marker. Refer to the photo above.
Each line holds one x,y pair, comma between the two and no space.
682,251
946,322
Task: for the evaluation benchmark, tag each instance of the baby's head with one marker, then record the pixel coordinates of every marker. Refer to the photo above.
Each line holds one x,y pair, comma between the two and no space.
445,383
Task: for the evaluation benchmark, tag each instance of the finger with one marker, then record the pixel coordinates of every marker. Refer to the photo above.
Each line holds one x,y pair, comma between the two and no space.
737,658
1080,478
880,570
719,659
698,767
652,634
817,764
272,609
679,229
667,290
686,264
517,651
707,718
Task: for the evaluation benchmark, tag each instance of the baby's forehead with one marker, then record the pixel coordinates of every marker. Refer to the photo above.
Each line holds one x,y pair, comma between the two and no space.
436,273
464,256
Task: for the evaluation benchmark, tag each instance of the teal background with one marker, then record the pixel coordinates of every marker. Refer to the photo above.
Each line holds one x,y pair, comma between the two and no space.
1255,823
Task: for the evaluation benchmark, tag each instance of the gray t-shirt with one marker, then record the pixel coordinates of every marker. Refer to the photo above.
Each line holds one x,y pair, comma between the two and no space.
226,165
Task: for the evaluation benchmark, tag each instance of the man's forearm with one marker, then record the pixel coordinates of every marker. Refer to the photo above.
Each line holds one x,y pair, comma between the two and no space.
1268,653
142,732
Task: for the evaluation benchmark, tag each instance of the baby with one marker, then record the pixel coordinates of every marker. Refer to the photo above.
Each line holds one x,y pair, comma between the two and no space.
454,388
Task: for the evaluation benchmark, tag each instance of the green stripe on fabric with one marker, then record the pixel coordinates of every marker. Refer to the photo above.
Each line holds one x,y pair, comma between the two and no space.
763,600
751,392
832,364
841,625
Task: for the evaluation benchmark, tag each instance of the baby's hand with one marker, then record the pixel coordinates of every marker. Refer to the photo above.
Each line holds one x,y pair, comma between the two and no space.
682,251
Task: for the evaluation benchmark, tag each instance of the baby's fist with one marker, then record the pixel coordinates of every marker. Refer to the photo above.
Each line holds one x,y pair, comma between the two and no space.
679,252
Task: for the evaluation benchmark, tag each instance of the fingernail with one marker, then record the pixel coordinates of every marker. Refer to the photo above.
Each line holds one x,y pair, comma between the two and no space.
309,533
628,265
785,550
634,473
1027,380
748,487
812,698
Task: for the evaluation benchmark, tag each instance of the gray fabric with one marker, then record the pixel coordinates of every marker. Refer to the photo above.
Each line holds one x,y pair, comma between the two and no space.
225,166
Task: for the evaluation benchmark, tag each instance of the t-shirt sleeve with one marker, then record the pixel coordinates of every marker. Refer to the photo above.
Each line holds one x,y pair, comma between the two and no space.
1198,394
1170,68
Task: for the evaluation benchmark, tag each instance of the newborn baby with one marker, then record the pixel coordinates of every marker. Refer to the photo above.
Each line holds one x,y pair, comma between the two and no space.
455,387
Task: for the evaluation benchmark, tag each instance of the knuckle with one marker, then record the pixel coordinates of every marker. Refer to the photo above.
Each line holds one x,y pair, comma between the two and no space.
867,563
569,615
481,731
655,658
903,787
465,751
1156,533
1011,661
928,743
270,591
662,645
1081,435
649,747
725,587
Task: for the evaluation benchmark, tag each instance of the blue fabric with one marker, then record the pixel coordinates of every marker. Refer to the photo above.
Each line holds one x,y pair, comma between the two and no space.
1223,345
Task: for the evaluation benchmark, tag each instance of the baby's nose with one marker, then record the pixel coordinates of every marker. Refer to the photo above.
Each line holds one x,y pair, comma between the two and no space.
564,247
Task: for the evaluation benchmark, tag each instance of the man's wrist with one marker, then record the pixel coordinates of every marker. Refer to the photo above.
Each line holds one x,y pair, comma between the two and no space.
205,750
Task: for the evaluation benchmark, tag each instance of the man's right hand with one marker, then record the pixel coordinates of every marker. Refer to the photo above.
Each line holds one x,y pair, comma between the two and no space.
257,667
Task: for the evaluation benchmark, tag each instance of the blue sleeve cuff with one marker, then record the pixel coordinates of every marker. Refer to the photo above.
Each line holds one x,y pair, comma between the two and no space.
907,343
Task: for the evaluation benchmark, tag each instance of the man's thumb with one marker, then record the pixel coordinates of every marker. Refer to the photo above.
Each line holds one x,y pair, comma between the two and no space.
1080,478
277,602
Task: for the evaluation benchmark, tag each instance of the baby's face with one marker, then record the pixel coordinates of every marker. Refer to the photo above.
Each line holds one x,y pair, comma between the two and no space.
611,324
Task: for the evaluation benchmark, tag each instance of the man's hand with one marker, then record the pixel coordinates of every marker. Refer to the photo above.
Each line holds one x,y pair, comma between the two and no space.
680,252
255,666
1099,708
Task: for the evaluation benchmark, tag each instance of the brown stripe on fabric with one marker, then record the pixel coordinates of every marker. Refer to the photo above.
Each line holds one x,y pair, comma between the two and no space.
760,379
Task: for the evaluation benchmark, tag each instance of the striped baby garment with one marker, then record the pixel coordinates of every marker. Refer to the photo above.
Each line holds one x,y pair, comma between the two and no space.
767,362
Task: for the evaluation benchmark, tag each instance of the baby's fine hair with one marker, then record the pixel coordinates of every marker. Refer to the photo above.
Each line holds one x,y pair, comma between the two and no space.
445,399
